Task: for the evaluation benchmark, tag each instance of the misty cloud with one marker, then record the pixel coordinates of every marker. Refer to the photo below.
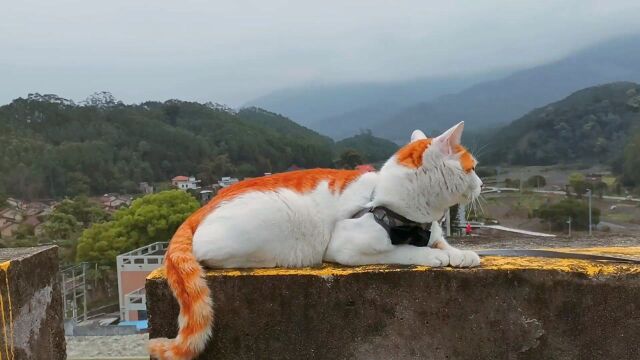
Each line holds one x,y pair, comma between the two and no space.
234,51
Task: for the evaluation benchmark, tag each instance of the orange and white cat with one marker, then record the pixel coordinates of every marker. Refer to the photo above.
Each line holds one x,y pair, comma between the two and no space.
303,218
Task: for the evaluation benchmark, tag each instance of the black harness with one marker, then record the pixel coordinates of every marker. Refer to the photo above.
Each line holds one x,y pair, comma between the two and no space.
401,230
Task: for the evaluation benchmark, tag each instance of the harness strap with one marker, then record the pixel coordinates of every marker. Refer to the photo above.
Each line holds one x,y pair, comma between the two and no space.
400,229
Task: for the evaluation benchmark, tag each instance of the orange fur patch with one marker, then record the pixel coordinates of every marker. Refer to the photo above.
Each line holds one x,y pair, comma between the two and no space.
410,155
185,275
467,161
300,181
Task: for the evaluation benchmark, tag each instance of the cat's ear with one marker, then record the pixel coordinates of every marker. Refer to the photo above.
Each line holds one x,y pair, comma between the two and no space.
417,135
450,138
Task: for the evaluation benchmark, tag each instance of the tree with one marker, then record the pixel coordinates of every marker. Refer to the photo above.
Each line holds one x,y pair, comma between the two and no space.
24,231
60,226
578,183
349,159
557,214
484,172
600,188
536,181
78,184
373,149
152,218
83,211
212,170
172,111
631,162
66,222
512,183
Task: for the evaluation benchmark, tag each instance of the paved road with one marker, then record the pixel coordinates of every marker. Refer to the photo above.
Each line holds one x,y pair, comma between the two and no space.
555,192
519,231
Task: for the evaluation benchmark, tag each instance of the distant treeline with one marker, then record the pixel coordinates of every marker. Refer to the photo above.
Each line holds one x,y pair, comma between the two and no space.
52,148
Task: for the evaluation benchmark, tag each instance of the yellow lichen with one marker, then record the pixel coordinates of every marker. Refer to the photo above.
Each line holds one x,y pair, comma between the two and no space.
8,335
590,268
4,266
156,274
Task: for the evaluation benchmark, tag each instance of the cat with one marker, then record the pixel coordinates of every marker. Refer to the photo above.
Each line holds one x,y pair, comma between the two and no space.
303,218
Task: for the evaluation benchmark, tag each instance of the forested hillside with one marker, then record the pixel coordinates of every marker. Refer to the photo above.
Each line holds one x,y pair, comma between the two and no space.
50,147
594,125
372,149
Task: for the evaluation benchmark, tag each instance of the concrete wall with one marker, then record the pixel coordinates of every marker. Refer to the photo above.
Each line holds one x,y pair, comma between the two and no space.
31,302
510,308
97,330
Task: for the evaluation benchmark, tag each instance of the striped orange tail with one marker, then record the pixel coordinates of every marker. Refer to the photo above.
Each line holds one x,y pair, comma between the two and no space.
186,280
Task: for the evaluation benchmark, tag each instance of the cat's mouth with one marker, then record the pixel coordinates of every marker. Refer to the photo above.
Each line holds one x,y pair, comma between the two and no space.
470,196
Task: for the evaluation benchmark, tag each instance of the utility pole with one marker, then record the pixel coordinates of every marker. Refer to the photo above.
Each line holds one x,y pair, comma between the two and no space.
569,222
520,178
589,192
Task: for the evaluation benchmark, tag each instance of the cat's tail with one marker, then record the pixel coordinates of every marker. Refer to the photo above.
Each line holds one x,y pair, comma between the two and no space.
186,279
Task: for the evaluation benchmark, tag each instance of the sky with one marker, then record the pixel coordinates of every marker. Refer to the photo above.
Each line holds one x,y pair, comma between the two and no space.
231,52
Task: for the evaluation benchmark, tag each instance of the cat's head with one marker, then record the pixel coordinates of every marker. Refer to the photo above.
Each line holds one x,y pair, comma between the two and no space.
428,175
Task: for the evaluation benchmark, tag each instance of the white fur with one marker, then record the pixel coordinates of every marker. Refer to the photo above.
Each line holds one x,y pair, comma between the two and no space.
286,228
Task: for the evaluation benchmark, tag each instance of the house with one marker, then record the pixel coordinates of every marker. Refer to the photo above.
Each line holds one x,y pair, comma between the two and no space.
185,182
113,202
205,196
8,229
594,178
133,268
14,202
145,188
226,181
33,221
12,214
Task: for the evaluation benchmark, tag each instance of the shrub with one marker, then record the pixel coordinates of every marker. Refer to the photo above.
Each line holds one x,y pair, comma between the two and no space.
557,214
536,181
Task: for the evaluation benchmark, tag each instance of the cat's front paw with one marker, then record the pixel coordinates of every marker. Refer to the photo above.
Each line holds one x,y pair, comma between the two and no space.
435,258
463,258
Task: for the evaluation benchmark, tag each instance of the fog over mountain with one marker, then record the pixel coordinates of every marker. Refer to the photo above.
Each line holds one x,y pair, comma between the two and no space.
500,101
353,102
394,110
232,52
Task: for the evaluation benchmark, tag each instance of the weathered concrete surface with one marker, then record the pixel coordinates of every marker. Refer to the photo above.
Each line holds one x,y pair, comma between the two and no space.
510,308
31,304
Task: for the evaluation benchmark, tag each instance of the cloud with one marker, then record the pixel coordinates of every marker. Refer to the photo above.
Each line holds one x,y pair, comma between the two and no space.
236,50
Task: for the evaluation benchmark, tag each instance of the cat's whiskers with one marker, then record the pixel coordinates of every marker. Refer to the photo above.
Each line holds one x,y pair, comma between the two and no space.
480,150
479,201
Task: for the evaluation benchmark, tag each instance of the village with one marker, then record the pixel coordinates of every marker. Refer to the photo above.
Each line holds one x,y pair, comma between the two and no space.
22,217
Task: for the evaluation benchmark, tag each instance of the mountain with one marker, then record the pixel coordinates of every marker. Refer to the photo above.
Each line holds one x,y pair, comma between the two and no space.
346,124
281,124
52,147
496,102
311,105
591,125
373,149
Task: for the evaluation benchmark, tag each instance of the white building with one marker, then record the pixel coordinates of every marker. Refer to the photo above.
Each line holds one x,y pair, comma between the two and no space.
133,268
185,183
226,181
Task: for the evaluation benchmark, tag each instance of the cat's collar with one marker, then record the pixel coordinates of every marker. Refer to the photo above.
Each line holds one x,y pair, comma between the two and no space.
400,229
